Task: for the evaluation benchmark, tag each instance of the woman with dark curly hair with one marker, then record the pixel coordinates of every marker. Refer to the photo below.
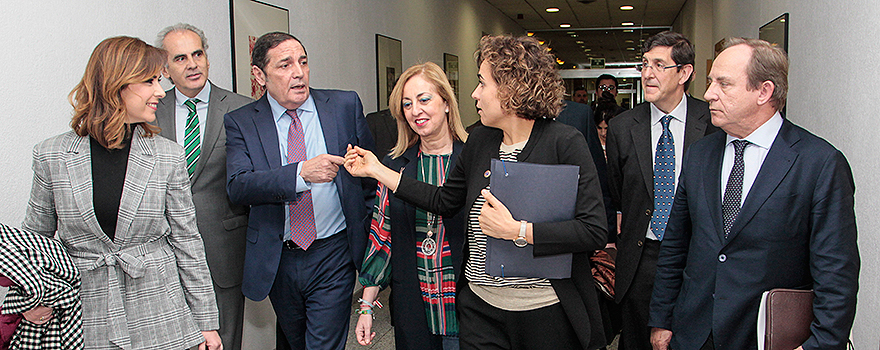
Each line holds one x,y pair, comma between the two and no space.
519,94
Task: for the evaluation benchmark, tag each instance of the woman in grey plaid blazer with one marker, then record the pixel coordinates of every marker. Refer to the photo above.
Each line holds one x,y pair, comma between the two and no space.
146,285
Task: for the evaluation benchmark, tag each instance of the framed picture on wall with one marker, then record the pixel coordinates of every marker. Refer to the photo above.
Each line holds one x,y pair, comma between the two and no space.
450,66
389,66
250,20
776,32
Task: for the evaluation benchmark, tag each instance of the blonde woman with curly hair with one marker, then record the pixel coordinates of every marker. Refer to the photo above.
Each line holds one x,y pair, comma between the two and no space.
518,96
118,199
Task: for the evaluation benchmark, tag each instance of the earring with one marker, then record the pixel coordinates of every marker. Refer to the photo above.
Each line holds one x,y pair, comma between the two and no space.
447,109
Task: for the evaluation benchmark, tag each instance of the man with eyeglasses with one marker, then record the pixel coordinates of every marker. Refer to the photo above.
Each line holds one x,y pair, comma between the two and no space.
645,147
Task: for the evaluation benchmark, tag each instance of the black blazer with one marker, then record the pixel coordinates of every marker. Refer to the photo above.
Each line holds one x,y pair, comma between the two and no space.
407,310
796,229
631,178
580,116
550,142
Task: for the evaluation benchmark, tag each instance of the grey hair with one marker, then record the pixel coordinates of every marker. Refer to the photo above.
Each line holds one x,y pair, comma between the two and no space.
160,39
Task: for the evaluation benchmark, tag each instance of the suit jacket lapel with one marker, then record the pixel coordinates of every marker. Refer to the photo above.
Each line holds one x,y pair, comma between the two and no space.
712,182
329,119
695,126
165,116
411,157
217,107
79,170
776,165
641,138
264,122
141,161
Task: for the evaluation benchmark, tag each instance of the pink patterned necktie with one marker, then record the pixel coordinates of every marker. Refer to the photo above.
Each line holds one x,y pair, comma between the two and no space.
301,214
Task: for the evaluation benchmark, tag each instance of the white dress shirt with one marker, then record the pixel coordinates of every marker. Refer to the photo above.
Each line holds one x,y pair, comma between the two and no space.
676,127
753,155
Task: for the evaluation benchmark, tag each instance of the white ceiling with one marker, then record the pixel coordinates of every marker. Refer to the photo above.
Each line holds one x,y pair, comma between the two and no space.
596,24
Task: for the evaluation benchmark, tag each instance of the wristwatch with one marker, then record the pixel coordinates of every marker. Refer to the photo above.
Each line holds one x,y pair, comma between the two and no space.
520,241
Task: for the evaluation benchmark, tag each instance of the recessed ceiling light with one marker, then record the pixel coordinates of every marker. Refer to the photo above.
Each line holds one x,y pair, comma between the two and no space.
530,33
627,30
626,8
570,33
565,25
630,49
552,9
629,41
541,42
627,23
579,42
782,20
574,35
588,50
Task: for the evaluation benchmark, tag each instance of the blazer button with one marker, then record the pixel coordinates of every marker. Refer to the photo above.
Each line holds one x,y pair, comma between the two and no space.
722,258
648,212
640,243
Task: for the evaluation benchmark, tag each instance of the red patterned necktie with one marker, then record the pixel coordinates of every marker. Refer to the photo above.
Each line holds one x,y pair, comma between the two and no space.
301,214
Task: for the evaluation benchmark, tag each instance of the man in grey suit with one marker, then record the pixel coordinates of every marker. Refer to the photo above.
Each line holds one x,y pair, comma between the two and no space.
645,148
192,114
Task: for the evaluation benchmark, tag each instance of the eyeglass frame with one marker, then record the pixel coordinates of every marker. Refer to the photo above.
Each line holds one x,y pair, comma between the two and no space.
608,88
641,66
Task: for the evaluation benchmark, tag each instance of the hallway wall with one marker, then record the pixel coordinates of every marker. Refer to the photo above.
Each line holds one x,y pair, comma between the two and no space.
47,44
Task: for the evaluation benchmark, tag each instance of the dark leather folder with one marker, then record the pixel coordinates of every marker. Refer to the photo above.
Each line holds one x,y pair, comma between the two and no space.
535,193
788,317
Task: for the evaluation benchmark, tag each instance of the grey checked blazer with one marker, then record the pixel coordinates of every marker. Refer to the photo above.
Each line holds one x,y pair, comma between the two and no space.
149,288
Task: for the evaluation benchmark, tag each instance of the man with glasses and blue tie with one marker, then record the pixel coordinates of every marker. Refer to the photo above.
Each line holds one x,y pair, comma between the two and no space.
645,147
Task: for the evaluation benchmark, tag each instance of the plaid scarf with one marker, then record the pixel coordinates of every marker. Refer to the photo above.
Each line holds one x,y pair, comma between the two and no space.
43,275
436,276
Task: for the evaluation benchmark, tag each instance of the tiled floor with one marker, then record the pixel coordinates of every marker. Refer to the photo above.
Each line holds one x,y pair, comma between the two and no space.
384,339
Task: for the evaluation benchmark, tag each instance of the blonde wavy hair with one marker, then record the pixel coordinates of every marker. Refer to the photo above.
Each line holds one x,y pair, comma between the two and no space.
432,73
525,71
98,109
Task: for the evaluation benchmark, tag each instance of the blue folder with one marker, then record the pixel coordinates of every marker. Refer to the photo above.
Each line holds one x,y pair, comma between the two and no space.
535,193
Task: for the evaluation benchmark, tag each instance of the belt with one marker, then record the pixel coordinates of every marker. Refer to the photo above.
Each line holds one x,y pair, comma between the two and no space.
291,245
128,261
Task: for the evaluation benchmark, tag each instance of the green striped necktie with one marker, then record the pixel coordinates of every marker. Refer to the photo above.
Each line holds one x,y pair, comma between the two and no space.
191,143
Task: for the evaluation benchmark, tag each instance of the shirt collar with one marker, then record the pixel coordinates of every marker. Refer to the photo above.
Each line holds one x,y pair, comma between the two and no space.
278,111
764,135
202,95
679,113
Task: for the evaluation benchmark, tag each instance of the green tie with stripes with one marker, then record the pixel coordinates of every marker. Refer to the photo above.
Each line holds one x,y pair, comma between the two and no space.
191,142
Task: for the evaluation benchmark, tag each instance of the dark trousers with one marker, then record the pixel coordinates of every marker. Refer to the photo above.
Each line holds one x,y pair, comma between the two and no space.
634,333
312,294
230,303
485,327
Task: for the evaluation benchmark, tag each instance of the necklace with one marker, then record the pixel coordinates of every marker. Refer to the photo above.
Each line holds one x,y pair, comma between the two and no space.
429,245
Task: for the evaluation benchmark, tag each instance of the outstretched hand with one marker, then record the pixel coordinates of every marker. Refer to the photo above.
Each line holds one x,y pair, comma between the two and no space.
360,162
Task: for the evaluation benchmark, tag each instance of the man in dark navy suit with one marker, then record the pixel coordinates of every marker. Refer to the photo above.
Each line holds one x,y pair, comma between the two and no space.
308,222
764,205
